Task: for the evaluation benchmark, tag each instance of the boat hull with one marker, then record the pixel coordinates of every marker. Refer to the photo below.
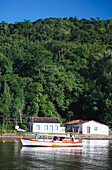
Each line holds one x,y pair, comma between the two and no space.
36,143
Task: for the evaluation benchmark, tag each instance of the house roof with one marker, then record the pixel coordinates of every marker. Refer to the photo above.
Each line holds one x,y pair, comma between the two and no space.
75,122
79,121
44,120
95,122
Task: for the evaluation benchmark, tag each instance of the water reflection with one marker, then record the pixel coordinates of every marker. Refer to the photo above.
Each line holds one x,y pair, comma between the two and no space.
95,154
58,151
51,156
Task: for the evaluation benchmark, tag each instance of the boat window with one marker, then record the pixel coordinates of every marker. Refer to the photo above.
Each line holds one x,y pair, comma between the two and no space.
37,127
46,127
56,127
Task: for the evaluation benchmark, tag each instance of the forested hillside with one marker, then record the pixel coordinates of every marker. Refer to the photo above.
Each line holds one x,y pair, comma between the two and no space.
56,68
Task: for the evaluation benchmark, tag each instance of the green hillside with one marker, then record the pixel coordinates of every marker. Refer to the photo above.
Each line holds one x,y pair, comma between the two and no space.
56,68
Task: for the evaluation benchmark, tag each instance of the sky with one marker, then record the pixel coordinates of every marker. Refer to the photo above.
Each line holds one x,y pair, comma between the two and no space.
12,11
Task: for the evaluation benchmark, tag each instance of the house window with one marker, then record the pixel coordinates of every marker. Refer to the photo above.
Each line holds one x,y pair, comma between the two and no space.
37,127
56,127
46,127
88,129
95,128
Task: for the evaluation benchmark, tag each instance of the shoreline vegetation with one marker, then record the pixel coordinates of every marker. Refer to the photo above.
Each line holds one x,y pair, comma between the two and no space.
15,134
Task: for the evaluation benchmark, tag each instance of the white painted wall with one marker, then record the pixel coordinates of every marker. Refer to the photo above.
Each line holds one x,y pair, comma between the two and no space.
42,128
101,128
62,129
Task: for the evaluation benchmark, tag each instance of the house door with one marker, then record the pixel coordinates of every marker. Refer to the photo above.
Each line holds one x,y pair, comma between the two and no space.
51,129
88,129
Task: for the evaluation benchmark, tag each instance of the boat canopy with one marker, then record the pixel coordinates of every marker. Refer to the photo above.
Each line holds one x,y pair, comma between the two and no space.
37,135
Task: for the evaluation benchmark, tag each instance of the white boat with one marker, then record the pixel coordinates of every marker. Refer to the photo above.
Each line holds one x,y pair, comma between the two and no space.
51,141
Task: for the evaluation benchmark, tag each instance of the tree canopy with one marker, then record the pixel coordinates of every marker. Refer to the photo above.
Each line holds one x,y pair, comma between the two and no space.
54,67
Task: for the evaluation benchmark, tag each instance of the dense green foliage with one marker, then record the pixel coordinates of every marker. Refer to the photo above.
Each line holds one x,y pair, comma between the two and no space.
56,67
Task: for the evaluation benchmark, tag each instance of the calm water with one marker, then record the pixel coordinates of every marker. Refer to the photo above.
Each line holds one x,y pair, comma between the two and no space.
95,155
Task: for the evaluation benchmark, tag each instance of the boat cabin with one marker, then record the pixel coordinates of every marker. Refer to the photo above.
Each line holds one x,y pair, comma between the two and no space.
53,138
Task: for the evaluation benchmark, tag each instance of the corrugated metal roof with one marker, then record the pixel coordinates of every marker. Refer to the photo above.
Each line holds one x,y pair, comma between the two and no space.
44,120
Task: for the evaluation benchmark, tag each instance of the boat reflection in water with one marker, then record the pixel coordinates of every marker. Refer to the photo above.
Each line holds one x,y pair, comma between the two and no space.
49,150
51,158
94,154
